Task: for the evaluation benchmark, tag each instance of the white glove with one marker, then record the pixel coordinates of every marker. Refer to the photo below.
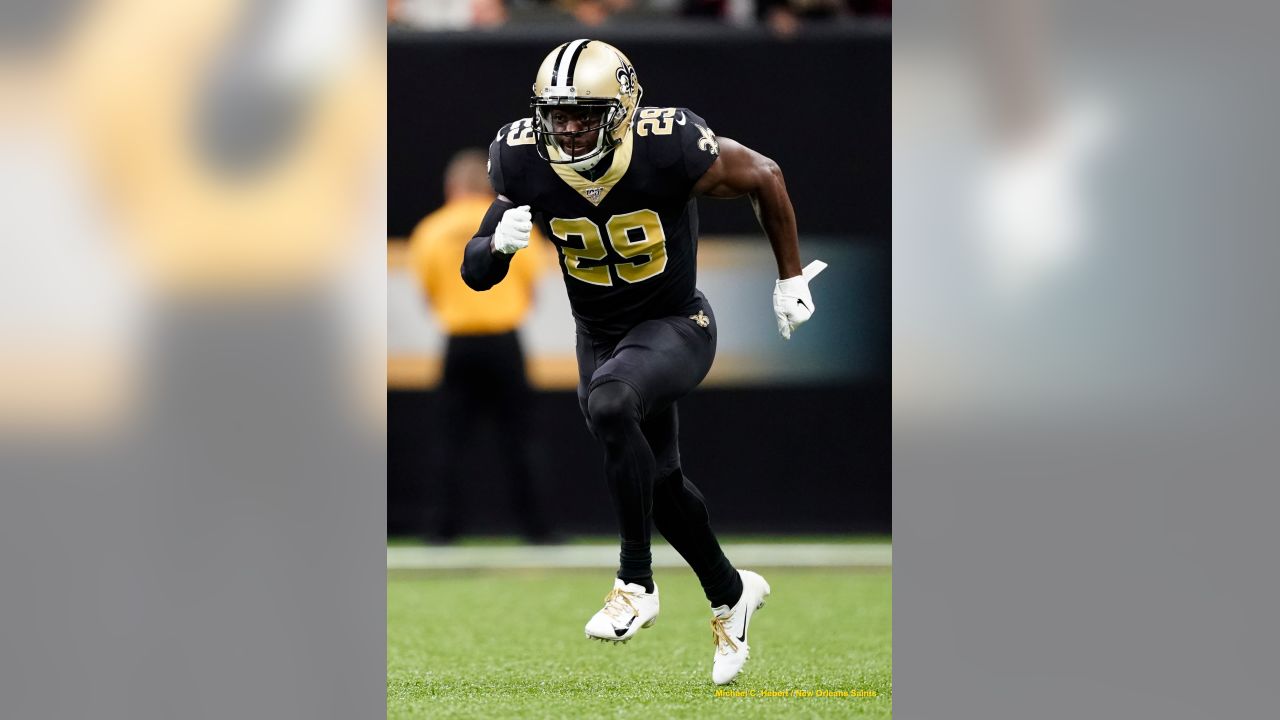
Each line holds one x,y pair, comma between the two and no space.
513,230
792,303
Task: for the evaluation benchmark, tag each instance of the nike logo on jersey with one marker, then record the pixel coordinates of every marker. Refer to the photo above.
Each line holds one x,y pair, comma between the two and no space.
681,120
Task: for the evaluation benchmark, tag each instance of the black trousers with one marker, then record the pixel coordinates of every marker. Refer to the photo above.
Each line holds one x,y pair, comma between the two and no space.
484,376
628,387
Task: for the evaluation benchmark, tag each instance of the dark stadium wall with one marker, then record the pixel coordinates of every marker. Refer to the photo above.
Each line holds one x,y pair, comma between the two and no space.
818,105
769,460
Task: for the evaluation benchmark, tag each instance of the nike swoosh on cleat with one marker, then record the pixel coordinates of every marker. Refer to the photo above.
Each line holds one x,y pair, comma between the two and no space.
623,631
745,619
801,302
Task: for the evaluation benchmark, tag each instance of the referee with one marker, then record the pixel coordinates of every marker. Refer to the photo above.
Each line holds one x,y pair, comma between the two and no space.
484,373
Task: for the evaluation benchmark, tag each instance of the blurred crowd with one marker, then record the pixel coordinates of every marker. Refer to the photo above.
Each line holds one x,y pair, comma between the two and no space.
782,16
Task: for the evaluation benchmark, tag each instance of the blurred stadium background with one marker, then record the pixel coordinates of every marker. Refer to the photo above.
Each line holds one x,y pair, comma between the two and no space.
192,304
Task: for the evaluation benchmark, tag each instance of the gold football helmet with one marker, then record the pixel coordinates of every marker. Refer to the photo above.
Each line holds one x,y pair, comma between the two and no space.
591,75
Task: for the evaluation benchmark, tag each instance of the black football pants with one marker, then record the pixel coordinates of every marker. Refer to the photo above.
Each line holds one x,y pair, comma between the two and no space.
627,388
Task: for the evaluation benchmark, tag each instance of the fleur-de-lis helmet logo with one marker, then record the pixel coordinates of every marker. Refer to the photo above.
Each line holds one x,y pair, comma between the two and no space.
626,79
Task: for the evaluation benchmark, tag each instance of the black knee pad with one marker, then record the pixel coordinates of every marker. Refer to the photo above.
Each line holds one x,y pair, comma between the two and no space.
612,405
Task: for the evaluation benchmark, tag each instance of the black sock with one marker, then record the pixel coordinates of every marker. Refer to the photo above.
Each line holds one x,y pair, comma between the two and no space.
614,411
645,582
728,594
636,564
680,513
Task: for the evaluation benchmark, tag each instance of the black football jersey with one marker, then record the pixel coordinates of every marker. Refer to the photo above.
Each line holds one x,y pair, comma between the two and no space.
627,240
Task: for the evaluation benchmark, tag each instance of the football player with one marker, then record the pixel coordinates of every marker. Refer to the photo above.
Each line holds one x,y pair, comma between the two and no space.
612,184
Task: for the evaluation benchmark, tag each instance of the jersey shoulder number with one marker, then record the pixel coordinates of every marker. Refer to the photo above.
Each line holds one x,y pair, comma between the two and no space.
659,121
683,123
506,153
679,138
519,132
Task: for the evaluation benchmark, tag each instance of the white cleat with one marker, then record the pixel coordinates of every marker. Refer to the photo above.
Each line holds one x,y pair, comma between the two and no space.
729,628
627,608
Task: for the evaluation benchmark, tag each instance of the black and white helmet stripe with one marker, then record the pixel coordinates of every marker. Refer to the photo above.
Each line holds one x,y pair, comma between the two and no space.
566,61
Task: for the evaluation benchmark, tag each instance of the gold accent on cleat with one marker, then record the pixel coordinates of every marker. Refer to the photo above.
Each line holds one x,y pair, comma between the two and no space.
719,635
620,594
619,611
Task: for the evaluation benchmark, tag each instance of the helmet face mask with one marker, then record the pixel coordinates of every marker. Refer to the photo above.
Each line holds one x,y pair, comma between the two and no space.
593,84
599,119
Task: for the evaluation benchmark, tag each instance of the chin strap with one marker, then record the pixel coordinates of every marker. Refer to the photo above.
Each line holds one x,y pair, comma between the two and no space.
591,162
586,165
553,151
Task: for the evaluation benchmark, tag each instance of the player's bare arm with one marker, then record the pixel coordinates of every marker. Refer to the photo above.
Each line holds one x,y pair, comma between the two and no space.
739,171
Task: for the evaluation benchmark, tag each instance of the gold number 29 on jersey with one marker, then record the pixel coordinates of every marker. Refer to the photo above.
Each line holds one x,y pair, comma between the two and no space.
636,236
658,121
521,133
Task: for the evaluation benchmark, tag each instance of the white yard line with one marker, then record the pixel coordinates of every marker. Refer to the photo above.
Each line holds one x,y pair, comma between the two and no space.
606,556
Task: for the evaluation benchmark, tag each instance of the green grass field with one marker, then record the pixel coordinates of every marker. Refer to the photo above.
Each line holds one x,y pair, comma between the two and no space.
510,645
